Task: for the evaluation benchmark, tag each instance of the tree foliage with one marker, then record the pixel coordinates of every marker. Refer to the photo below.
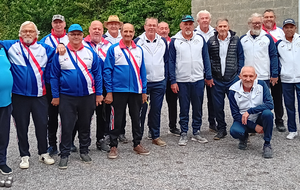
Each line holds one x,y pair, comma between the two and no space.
15,12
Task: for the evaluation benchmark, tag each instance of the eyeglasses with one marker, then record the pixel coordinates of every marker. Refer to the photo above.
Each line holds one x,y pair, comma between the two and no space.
256,23
28,31
75,34
151,25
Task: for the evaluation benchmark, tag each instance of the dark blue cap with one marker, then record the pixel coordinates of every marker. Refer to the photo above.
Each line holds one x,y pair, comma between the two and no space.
75,27
289,21
187,18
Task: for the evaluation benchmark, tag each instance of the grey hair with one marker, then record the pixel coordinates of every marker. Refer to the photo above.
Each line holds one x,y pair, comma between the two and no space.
203,11
151,18
26,23
254,15
222,19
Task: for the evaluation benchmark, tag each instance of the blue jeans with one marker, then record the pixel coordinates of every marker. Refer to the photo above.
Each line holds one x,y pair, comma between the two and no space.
156,90
265,119
218,93
190,92
289,101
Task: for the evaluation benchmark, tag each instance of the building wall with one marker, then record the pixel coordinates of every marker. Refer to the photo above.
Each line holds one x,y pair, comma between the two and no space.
238,11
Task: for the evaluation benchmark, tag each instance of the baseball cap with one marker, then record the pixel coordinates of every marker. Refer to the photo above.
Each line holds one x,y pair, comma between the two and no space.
58,17
289,21
75,27
187,18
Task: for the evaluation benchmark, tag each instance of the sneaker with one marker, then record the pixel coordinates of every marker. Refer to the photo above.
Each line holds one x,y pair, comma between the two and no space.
52,150
123,139
85,158
139,149
107,139
221,134
73,148
113,153
63,163
292,135
149,137
183,139
101,145
175,132
24,162
4,169
199,139
46,158
280,127
267,151
159,142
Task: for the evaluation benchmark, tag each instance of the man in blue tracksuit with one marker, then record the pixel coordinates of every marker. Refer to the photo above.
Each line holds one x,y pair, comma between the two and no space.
251,104
30,61
227,58
188,59
76,84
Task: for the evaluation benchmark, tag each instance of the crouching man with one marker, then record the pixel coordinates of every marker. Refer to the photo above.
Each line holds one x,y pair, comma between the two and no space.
251,105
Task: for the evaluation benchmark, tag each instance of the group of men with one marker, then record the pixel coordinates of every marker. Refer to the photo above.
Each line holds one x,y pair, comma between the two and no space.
109,72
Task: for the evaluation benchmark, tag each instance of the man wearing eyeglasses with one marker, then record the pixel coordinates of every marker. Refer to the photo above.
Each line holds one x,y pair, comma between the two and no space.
29,64
156,54
76,84
260,51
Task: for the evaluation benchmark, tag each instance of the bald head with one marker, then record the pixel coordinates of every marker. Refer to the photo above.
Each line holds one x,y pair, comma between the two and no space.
248,77
163,29
96,31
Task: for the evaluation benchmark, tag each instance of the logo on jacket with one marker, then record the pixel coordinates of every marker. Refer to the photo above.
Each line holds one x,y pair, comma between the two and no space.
66,59
87,58
298,44
18,53
262,44
214,43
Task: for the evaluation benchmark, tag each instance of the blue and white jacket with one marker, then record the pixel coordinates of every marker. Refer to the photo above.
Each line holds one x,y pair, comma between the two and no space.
289,57
76,73
52,40
120,72
156,58
101,48
29,67
254,102
188,59
261,53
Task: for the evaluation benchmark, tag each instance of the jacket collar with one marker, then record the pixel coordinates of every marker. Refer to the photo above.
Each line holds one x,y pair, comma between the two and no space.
72,49
88,39
123,46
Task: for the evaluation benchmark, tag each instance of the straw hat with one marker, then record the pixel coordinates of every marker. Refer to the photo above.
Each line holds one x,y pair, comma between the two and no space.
112,18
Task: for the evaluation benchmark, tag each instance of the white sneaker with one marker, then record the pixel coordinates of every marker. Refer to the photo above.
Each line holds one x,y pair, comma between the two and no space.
46,159
292,135
199,139
24,162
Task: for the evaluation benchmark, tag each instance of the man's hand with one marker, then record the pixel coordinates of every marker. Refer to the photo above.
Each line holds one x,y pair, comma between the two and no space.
99,99
175,88
109,98
259,129
210,82
245,118
61,49
273,81
55,101
144,98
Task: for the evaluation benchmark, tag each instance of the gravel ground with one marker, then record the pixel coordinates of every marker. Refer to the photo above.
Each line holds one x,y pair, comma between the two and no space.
215,165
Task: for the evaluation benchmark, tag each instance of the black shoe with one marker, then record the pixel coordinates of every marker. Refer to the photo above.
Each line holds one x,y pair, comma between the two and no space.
221,134
175,132
213,128
243,144
101,145
280,127
86,158
123,139
52,150
63,163
4,169
73,148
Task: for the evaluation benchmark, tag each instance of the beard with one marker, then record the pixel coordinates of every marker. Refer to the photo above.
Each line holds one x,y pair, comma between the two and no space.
28,40
255,32
188,33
